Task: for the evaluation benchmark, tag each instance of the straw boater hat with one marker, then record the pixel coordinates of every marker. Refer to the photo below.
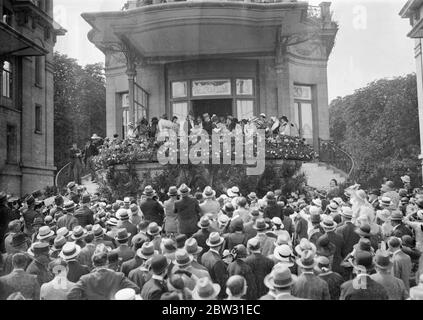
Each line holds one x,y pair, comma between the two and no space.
280,278
98,231
69,206
397,216
233,192
191,246
149,192
214,240
44,233
59,242
154,229
95,137
39,248
64,232
307,260
346,212
317,202
283,253
333,206
253,245
383,215
78,233
127,294
205,290
328,224
70,251
147,251
209,192
112,222
385,202
173,191
305,245
122,214
184,190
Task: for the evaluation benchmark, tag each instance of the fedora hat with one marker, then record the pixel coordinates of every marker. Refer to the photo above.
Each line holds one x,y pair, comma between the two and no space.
209,192
122,214
154,229
69,206
18,239
168,246
397,216
147,251
223,220
382,260
333,206
159,264
180,241
44,233
255,212
363,259
59,242
346,212
325,247
149,192
233,192
307,260
95,137
338,201
173,191
127,294
205,290
78,233
122,235
98,231
254,245
328,224
64,232
270,196
280,278
305,245
112,222
322,264
182,258
317,202
204,222
214,240
184,190
70,251
71,185
385,202
364,230
38,248
283,253
260,225
252,196
191,246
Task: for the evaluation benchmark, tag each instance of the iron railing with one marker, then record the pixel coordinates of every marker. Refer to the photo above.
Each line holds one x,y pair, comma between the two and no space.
63,178
332,154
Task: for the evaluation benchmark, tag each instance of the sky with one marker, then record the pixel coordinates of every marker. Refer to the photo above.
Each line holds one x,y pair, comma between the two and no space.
371,43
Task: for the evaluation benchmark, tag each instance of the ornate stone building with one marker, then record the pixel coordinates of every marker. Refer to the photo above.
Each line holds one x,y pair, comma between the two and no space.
27,37
220,57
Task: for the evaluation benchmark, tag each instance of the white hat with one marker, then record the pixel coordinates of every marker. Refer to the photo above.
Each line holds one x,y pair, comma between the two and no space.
233,192
278,221
70,251
317,202
127,294
283,253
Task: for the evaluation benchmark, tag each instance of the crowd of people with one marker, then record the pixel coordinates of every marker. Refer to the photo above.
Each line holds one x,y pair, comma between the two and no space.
347,245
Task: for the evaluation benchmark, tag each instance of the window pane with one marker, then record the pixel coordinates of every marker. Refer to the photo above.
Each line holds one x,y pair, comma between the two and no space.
180,110
125,100
38,118
245,109
38,70
302,92
179,89
6,89
244,87
307,121
211,88
125,121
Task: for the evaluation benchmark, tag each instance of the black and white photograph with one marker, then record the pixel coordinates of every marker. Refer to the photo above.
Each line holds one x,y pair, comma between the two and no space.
232,151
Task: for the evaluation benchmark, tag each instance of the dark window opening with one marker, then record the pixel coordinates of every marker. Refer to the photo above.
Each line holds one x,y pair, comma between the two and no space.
11,142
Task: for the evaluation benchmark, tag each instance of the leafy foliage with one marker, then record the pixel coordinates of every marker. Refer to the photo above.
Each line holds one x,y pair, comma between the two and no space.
379,126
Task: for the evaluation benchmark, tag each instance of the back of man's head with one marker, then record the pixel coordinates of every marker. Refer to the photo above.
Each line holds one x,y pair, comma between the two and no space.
19,261
236,286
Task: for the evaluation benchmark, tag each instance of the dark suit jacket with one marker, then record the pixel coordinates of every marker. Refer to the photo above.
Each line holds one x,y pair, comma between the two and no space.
100,284
334,281
201,236
153,290
249,231
402,230
347,231
272,211
402,267
338,241
132,229
370,290
19,281
76,271
310,286
152,211
130,265
124,252
260,267
188,211
217,269
241,268
85,216
40,270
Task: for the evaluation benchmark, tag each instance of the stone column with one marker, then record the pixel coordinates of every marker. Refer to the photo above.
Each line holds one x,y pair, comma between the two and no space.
131,72
419,76
285,86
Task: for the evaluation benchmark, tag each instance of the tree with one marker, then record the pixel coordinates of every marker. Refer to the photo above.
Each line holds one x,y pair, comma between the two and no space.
379,126
79,105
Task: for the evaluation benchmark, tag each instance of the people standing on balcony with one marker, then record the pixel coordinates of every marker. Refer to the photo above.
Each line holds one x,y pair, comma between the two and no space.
207,124
154,127
75,167
91,150
334,190
285,128
164,127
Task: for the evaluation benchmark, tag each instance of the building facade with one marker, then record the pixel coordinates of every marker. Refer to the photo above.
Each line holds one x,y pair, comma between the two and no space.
27,37
221,57
413,10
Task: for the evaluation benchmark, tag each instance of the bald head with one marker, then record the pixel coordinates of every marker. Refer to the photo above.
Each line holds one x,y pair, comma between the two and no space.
236,286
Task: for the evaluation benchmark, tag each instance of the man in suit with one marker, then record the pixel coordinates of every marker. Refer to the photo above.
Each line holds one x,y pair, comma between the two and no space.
151,208
39,264
279,282
267,244
123,215
259,264
203,234
249,230
68,220
19,280
401,262
84,214
329,226
214,263
347,231
5,214
363,287
156,286
85,256
123,251
70,253
207,124
399,228
309,285
183,261
142,274
102,283
99,237
188,211
395,287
